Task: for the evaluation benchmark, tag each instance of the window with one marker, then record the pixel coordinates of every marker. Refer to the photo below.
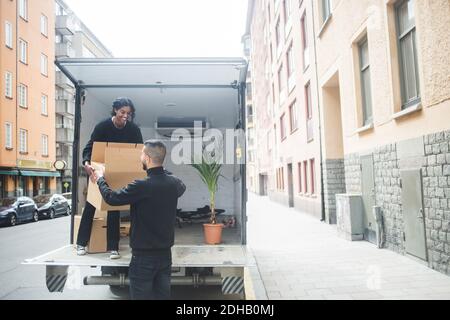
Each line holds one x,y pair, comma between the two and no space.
309,120
293,116
23,9
278,33
308,101
282,127
23,142
8,135
44,64
8,84
44,104
290,61
23,50
8,34
300,189
366,91
287,8
305,42
23,93
281,81
313,180
44,25
44,145
406,33
326,10
305,176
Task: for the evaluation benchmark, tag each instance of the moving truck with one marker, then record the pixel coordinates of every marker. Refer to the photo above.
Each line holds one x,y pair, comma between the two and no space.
168,94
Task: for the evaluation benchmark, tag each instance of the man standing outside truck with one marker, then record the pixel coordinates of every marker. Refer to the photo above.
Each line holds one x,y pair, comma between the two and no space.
153,209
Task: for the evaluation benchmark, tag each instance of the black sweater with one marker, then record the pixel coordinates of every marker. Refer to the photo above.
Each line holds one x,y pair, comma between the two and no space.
153,209
106,131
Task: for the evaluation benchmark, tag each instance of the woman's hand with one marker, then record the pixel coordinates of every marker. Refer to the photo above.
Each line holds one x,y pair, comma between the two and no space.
89,169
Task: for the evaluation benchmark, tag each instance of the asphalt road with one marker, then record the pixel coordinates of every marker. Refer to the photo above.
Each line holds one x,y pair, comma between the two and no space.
26,282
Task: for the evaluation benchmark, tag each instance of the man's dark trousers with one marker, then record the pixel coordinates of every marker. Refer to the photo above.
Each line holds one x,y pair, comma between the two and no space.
112,230
150,275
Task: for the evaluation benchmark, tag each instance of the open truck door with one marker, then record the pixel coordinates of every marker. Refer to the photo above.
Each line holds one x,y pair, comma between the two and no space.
210,90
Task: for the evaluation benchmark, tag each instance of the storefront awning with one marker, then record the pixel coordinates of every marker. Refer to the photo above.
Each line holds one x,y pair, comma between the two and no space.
26,173
9,172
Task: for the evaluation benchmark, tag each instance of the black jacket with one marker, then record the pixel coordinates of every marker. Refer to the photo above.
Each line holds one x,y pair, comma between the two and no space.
153,209
105,131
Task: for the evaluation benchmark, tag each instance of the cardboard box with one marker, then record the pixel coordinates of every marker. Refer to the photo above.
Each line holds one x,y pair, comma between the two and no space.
122,166
125,229
97,242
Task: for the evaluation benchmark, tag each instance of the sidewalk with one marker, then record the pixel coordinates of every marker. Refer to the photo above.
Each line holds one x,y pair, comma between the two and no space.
300,257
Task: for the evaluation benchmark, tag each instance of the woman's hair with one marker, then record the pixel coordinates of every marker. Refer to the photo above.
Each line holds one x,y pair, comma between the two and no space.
123,102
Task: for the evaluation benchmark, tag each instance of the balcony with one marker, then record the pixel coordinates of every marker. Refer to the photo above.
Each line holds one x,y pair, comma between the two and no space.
62,81
64,50
65,25
64,135
65,107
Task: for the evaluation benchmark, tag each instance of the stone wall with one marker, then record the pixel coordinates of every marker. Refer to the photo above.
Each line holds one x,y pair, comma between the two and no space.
352,165
388,195
333,183
436,192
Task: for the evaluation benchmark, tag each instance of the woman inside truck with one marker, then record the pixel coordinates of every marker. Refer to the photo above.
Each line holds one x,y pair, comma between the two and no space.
119,128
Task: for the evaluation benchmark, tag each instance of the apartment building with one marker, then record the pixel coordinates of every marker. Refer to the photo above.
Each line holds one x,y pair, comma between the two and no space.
379,82
285,103
73,40
383,69
27,108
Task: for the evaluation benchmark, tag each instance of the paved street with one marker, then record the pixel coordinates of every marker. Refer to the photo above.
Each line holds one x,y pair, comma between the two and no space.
29,240
28,282
300,257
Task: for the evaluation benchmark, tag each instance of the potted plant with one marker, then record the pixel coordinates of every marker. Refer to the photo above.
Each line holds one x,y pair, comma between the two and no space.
209,170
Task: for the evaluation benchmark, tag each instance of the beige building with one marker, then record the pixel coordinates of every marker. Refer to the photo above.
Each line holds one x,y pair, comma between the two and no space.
285,103
380,115
73,40
27,108
384,78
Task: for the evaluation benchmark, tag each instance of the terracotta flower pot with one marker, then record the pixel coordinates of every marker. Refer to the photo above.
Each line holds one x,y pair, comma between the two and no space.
213,233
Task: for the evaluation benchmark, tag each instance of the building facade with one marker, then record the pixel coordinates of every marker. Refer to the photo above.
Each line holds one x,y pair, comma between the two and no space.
379,74
285,103
27,107
73,40
384,74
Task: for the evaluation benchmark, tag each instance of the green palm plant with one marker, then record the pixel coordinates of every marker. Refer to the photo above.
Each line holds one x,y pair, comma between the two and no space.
209,171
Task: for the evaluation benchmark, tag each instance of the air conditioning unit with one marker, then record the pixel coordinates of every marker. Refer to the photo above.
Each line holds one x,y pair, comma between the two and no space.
193,126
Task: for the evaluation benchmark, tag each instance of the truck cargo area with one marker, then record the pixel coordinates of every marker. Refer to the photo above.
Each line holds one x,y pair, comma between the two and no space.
197,95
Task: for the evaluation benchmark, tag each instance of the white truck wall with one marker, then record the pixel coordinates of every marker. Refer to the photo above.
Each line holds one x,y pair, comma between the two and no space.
196,195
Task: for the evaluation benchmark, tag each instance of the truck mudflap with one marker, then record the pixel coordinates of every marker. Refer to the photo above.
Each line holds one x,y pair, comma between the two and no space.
55,278
233,285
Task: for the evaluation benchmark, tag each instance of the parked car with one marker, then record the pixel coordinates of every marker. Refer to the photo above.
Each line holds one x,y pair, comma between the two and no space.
52,206
13,211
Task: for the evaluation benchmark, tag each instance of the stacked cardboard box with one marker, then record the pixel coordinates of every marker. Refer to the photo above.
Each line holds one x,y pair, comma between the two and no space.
97,241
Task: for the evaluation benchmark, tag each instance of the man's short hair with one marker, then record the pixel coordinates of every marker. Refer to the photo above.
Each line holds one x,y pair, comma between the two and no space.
156,150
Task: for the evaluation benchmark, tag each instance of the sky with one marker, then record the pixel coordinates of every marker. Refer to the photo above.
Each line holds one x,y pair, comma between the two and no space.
166,28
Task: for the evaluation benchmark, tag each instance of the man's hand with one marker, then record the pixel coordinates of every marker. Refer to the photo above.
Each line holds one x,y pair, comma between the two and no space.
89,170
98,173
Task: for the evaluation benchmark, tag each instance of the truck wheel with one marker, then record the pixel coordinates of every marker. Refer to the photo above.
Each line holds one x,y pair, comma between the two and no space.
122,292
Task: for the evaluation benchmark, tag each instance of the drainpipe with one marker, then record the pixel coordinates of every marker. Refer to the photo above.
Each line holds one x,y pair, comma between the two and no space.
320,117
